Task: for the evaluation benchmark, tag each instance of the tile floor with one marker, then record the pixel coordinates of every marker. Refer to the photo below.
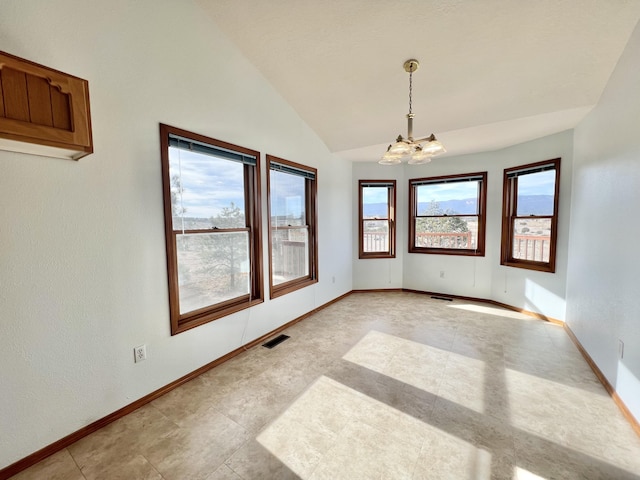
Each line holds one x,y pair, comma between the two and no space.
377,386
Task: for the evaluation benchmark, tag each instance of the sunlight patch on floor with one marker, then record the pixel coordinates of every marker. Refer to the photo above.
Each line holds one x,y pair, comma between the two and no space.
522,474
333,431
409,362
470,307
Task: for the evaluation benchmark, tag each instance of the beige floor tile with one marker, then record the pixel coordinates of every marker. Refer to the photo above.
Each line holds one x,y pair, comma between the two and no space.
124,438
550,461
224,473
446,456
255,461
59,466
196,395
325,407
258,400
298,447
129,467
197,450
364,452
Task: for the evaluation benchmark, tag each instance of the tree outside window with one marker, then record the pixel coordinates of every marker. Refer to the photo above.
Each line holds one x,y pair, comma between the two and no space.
448,214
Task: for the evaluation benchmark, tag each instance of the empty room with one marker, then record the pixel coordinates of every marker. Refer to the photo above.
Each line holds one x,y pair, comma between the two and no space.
319,240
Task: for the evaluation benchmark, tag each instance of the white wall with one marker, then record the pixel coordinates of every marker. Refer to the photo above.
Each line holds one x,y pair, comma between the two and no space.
480,277
82,265
603,283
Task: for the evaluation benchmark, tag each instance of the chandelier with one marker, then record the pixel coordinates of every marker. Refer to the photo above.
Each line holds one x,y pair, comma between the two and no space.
415,151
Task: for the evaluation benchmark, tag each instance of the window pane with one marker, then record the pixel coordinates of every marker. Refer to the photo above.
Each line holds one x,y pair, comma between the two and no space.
375,236
451,198
447,232
535,193
532,239
287,194
212,268
289,254
375,202
203,188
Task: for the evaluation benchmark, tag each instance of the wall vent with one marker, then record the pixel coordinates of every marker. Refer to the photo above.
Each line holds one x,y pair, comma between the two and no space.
443,298
275,341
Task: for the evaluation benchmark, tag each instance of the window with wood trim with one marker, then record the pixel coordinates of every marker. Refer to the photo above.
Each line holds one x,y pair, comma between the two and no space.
212,227
530,216
293,236
377,233
448,214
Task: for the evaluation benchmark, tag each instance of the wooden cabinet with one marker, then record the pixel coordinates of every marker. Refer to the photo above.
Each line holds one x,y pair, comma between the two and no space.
43,111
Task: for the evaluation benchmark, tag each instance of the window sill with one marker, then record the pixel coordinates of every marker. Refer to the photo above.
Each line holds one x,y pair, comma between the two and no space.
291,286
196,320
446,251
537,266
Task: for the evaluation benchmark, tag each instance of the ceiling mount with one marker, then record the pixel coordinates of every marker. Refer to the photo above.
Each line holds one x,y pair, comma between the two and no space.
408,148
411,65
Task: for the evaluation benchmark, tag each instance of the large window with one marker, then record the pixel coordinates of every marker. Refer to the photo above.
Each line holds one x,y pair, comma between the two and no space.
293,238
530,216
448,214
212,225
377,218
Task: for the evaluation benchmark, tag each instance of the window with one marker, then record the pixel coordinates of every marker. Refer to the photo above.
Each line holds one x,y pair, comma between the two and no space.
293,244
448,214
377,218
530,216
212,226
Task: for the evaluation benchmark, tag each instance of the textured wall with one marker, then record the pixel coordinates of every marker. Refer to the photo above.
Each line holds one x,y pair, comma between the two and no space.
603,285
82,254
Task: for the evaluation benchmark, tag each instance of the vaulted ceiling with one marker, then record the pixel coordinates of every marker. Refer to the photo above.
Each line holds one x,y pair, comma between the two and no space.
492,73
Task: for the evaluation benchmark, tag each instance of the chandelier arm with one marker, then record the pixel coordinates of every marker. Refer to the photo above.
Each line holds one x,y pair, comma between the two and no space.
430,138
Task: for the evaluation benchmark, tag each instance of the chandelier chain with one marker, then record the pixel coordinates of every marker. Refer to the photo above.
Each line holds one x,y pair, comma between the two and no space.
410,89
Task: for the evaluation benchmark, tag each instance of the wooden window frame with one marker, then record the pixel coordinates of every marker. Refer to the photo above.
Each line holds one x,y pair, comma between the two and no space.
509,215
391,218
186,321
479,251
311,212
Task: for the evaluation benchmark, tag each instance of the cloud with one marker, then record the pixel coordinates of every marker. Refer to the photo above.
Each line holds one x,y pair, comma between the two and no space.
209,184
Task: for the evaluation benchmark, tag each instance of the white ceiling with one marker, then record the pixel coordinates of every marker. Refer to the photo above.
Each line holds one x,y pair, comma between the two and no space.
492,73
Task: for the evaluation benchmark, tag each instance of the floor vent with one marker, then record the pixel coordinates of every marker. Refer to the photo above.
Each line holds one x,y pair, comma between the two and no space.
444,298
275,341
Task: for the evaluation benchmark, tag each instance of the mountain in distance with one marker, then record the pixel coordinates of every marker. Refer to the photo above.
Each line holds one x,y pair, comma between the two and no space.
527,205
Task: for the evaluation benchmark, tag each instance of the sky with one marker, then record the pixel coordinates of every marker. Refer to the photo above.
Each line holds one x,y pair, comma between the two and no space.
374,195
542,183
210,184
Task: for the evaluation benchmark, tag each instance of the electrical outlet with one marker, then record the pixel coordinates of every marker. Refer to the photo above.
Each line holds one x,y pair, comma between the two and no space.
620,349
333,279
441,273
140,353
